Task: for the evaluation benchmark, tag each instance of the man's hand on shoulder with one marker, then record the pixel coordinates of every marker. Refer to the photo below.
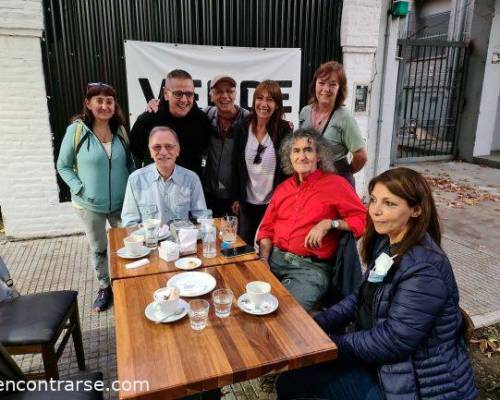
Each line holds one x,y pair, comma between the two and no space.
153,106
317,233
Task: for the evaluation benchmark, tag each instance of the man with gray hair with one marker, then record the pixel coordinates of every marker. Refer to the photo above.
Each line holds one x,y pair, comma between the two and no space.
179,111
162,190
300,231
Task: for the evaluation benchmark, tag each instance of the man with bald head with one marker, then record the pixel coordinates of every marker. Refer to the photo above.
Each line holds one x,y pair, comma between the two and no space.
162,190
178,110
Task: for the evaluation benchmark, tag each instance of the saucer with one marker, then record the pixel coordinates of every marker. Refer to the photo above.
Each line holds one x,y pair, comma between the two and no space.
141,232
154,316
269,305
124,254
188,263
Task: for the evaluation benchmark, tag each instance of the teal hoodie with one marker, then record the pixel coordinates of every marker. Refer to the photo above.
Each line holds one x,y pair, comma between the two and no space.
97,182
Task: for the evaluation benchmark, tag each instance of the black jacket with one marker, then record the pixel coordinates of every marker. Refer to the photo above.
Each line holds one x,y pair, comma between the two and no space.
240,171
193,131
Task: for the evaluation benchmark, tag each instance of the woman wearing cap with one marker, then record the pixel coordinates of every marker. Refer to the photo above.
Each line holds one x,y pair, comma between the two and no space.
217,180
95,163
256,169
326,113
408,337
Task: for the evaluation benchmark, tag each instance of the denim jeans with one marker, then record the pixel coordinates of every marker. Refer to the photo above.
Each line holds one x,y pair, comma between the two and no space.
306,280
95,229
334,380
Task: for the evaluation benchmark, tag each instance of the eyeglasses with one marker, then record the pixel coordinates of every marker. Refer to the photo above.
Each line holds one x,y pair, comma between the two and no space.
179,93
169,147
258,157
92,84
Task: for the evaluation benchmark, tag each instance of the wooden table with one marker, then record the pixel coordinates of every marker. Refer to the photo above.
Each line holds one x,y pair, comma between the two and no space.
156,264
178,361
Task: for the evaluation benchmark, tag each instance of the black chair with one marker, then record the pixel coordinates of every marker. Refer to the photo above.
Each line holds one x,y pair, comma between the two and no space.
34,323
11,375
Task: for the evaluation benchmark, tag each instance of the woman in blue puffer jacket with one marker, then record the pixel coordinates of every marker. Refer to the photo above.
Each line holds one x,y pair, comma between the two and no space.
407,342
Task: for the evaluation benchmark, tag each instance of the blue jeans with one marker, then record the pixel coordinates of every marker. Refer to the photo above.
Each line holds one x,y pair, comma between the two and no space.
306,280
334,380
95,229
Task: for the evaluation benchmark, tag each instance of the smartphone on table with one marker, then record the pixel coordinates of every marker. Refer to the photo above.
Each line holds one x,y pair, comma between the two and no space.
237,251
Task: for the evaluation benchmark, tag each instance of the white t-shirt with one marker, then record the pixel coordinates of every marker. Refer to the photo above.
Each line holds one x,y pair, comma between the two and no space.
261,176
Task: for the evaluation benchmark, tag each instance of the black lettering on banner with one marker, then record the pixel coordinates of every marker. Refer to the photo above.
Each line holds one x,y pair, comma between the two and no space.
286,96
245,101
147,91
209,99
245,85
197,84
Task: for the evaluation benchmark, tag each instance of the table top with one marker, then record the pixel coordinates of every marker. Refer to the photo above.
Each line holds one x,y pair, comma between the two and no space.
178,361
156,264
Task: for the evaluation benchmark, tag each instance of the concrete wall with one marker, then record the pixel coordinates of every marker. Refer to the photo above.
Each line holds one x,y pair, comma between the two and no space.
28,189
480,29
359,48
487,124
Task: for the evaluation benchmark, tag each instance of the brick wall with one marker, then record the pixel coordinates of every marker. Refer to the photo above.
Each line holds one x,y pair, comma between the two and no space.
28,188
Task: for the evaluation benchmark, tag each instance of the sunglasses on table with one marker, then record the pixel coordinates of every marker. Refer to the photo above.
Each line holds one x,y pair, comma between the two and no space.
258,155
179,93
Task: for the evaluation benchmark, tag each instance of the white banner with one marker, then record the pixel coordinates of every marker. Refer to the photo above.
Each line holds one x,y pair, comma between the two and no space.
148,63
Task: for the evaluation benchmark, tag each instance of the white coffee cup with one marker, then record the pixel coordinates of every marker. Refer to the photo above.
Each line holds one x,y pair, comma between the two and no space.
257,291
162,304
133,245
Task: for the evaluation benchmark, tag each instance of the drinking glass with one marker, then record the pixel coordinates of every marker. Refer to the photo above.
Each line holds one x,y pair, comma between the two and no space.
229,228
223,299
198,314
151,231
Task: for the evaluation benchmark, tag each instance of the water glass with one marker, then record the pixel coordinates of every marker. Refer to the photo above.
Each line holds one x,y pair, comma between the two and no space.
151,231
229,228
223,299
198,314
209,240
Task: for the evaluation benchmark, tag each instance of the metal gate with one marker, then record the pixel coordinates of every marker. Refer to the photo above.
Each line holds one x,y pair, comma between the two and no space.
429,99
84,40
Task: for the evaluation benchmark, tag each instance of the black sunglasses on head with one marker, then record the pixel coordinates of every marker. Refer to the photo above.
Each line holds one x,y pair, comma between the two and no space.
93,84
258,157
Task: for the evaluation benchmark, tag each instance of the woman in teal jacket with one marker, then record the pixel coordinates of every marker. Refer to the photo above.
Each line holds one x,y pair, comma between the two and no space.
95,163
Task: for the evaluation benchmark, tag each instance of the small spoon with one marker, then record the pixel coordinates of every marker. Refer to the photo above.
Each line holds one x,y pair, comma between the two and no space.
177,312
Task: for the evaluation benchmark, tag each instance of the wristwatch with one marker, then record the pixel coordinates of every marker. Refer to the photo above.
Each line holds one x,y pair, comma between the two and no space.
335,224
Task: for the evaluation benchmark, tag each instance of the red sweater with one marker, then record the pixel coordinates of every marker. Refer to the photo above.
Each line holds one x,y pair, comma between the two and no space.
296,208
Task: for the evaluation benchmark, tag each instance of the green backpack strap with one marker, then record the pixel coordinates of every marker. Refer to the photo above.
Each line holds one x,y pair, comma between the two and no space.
123,134
76,142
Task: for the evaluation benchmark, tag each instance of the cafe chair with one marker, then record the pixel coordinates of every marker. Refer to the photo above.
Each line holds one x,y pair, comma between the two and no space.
34,323
11,374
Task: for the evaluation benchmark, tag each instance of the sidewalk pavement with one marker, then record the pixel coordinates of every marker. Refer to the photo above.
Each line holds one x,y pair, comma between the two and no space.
471,240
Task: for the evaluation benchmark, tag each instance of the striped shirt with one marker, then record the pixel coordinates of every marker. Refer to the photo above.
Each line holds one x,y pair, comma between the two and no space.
261,176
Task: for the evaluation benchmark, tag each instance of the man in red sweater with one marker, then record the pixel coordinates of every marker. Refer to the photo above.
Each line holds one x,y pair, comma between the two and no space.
300,230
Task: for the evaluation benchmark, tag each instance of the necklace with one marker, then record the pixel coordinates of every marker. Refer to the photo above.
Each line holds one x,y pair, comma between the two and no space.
319,118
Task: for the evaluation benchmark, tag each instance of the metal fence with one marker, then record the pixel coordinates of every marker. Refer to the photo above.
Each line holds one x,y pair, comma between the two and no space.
429,99
84,39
